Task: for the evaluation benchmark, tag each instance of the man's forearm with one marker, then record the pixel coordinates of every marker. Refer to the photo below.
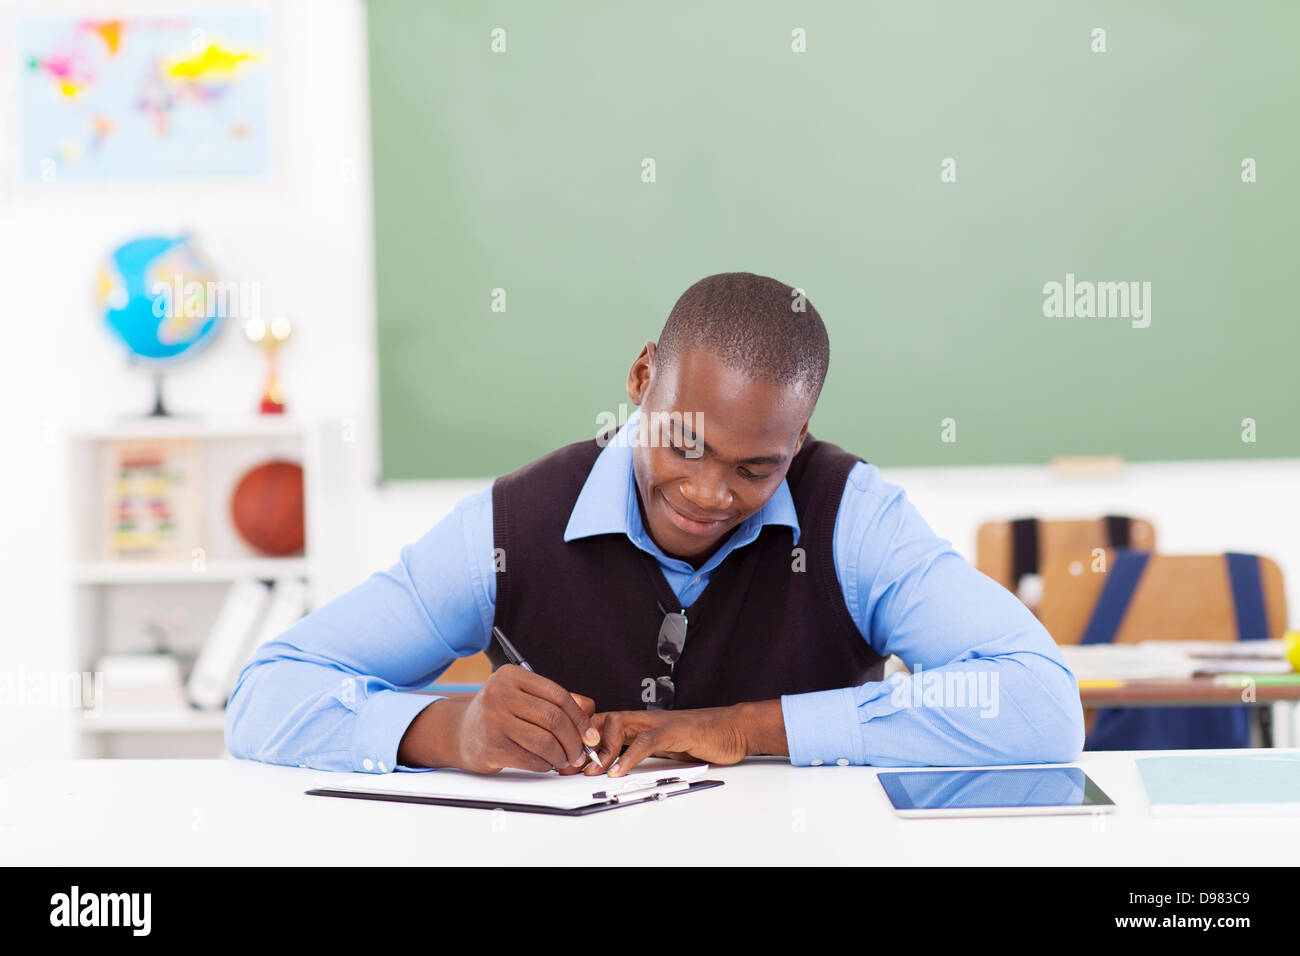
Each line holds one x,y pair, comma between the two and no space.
763,726
431,738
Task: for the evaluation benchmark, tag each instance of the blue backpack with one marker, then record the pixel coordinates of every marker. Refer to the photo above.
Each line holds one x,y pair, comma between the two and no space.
1173,728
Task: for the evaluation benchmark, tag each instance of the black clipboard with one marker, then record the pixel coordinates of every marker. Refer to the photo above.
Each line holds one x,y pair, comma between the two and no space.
660,791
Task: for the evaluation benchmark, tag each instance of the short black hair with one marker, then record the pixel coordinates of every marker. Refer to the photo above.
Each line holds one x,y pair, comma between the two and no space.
755,324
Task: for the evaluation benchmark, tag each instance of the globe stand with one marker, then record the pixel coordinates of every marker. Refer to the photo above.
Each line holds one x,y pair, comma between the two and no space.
159,406
160,409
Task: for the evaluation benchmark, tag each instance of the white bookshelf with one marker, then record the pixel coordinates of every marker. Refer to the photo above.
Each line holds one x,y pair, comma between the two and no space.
119,602
177,718
169,572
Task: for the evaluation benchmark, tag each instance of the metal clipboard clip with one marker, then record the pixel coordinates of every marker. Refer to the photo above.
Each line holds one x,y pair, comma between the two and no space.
643,790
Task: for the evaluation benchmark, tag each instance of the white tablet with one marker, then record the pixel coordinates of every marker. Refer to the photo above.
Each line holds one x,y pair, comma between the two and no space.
1026,791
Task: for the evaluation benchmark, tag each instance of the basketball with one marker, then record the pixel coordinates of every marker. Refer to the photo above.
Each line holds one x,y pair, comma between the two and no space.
267,508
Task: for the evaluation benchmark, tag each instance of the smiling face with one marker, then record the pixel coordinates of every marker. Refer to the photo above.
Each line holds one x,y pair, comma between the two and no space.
715,445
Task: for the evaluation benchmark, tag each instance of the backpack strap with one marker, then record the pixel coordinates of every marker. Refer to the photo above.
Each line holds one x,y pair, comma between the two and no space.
1119,530
1247,596
1125,573
1024,549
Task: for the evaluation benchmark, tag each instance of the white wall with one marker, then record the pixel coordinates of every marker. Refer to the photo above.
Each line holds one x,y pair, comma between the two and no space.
307,238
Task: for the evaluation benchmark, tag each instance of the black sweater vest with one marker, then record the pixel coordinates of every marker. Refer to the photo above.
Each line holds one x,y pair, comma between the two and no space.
585,613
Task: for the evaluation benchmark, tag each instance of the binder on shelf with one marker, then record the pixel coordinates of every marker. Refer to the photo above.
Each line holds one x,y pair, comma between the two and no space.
213,678
288,603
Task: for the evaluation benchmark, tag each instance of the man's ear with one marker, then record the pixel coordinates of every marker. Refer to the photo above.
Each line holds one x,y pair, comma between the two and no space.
803,433
639,376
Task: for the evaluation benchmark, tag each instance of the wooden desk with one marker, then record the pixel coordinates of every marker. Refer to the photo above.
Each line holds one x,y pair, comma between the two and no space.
1195,692
1184,692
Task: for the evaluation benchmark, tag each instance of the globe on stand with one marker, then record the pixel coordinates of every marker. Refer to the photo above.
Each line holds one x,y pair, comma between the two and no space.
157,296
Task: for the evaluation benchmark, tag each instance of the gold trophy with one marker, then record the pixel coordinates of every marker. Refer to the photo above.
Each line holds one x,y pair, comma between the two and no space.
270,337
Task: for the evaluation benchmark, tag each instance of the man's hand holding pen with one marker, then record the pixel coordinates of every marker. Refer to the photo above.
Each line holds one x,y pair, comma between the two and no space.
523,720
518,719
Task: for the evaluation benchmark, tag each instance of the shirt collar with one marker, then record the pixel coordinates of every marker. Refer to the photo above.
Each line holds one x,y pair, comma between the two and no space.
607,503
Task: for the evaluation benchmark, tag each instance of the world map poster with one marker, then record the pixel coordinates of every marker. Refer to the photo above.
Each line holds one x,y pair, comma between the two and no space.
161,97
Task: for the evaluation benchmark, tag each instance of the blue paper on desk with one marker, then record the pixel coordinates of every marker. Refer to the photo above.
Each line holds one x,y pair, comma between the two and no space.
1247,784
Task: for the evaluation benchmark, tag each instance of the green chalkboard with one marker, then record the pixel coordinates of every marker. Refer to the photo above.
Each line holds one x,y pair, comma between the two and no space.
524,171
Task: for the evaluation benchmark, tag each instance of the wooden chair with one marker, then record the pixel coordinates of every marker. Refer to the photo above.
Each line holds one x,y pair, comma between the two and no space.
1162,597
1181,597
467,670
1007,551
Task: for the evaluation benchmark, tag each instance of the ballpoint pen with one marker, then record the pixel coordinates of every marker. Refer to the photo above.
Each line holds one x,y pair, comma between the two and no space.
515,657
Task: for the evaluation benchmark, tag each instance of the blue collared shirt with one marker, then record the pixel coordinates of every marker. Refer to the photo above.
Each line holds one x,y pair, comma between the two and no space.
987,683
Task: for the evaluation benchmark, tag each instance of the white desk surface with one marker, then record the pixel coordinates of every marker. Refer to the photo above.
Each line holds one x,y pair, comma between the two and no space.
217,812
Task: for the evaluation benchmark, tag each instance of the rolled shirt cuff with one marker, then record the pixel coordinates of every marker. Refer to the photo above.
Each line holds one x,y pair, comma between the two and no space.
823,728
380,726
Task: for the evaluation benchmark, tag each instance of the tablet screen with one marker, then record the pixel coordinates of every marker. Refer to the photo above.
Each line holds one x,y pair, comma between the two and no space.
987,789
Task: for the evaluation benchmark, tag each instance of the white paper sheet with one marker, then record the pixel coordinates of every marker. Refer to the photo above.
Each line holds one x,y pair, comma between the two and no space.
512,786
1152,660
1125,662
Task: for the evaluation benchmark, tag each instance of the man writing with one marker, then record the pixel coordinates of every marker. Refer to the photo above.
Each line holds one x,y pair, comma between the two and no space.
708,583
